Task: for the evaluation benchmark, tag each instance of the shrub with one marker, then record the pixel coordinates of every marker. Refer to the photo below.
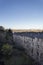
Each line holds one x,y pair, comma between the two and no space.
7,50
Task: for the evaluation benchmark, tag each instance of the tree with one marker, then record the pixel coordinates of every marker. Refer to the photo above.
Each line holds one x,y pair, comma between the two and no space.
2,36
9,36
2,28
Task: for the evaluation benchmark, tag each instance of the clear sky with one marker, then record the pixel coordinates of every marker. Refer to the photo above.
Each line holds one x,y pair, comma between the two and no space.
21,14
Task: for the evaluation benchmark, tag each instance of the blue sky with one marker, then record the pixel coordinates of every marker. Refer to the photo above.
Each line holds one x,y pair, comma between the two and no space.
21,14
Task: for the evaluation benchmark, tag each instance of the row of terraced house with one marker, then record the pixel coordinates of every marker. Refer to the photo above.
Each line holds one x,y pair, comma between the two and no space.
33,46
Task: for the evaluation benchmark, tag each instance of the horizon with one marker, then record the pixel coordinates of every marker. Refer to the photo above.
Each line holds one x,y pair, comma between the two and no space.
21,14
21,29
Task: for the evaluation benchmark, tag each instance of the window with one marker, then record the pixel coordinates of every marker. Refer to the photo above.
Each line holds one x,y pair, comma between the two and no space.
37,53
